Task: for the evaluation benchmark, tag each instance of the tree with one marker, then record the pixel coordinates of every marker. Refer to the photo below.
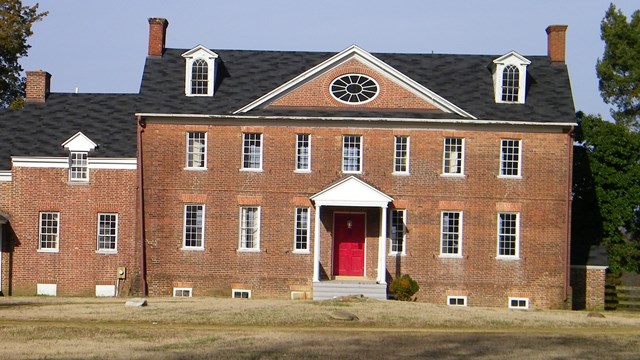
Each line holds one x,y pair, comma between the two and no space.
613,157
15,27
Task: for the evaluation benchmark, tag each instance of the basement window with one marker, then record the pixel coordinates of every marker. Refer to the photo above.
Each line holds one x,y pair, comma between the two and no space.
457,300
518,303
182,292
241,294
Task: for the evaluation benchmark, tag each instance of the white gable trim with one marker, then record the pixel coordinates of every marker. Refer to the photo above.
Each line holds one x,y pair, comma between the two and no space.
79,142
5,175
63,163
354,52
351,191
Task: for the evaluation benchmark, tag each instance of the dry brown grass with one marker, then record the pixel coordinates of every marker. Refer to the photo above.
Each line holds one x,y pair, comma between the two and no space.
212,328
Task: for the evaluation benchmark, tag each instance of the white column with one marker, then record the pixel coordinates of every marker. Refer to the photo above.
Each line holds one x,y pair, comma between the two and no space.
316,245
382,247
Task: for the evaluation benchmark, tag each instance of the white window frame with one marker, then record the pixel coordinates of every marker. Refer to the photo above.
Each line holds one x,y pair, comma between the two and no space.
79,168
504,143
516,236
517,305
393,233
114,236
181,291
501,63
358,141
240,291
402,161
459,234
192,152
300,141
242,239
447,157
55,234
246,144
299,232
201,227
456,298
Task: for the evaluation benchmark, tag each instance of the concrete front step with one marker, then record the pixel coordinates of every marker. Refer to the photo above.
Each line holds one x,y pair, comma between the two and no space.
325,290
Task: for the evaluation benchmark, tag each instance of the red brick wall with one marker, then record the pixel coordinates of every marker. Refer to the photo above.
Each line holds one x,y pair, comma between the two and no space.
540,197
76,268
588,287
315,94
5,207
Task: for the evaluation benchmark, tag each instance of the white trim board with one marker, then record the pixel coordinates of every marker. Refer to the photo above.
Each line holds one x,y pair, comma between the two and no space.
63,163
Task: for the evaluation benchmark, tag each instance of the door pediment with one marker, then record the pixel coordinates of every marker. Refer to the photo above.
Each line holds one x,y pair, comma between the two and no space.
351,191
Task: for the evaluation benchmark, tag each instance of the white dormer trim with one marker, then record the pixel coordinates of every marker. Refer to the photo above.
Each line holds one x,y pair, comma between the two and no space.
520,62
355,52
200,52
80,143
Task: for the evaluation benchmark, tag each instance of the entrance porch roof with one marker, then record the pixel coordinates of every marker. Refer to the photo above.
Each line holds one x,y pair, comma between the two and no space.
353,192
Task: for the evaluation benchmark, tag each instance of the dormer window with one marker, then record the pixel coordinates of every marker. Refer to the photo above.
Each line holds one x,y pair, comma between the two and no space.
509,78
78,166
200,71
79,146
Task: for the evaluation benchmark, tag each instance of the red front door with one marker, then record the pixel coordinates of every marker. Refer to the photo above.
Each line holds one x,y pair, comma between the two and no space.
348,250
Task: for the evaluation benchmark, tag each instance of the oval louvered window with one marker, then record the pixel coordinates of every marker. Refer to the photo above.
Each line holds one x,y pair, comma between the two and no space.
354,89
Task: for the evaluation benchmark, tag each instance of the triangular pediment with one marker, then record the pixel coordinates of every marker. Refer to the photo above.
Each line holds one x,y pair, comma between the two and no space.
351,191
79,142
200,51
326,86
512,57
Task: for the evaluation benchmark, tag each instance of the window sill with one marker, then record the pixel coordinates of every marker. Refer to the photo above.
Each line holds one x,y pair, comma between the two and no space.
48,250
454,176
192,248
400,173
250,170
509,177
107,252
303,252
451,256
507,258
196,168
352,172
77,182
302,171
248,250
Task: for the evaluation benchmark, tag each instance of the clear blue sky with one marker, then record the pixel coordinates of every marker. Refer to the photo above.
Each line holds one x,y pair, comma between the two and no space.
100,46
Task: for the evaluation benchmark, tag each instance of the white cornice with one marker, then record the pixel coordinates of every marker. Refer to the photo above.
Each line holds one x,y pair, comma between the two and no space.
355,52
356,119
5,175
63,163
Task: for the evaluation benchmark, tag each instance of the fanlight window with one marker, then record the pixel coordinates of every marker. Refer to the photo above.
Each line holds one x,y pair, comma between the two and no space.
354,89
199,77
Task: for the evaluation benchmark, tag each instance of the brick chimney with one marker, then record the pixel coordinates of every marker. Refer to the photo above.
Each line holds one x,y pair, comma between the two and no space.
556,35
157,35
38,86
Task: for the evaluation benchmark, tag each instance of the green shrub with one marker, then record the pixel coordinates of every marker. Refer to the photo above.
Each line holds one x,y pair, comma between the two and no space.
404,287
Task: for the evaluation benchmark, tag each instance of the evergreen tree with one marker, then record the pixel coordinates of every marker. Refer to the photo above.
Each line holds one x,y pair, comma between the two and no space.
15,27
619,68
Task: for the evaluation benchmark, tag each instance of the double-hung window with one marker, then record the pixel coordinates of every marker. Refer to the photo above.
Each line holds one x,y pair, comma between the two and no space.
49,235
199,77
451,234
196,150
301,230
508,235
193,226
510,163
78,166
107,232
510,83
398,231
351,154
249,228
453,156
401,155
303,152
252,151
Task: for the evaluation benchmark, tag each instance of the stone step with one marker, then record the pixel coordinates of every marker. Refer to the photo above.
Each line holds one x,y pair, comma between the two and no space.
333,289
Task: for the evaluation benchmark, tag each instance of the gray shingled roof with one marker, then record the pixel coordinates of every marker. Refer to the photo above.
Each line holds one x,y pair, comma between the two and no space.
40,129
464,80
244,76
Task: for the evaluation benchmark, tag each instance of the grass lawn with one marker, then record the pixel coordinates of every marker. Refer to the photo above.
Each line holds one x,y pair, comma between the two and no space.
214,328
